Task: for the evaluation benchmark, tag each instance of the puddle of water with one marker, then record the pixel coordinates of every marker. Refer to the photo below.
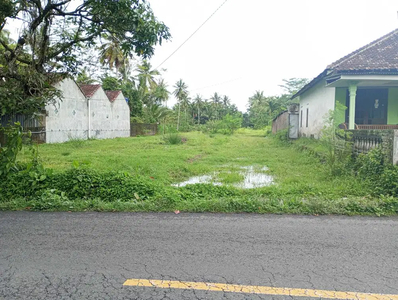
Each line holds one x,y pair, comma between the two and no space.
252,179
197,179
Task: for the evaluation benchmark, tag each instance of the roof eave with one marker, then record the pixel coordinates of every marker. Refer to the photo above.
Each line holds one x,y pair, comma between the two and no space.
311,84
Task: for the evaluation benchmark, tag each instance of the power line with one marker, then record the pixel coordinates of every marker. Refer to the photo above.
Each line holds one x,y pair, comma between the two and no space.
192,34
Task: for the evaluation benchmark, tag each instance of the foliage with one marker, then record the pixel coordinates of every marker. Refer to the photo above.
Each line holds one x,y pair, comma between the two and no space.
136,120
292,85
302,186
377,171
263,109
9,151
335,141
229,124
172,138
110,83
84,78
32,65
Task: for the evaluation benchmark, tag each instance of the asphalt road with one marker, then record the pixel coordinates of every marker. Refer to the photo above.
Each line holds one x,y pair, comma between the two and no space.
91,255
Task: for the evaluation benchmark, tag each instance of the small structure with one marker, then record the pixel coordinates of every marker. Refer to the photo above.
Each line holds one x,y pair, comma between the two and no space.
288,119
83,112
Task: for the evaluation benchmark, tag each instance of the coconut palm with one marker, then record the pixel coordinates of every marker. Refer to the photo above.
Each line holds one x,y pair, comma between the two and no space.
180,92
161,94
198,101
111,54
146,76
185,103
155,112
216,103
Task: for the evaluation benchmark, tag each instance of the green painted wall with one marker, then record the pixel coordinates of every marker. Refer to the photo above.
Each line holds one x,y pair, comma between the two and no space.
340,97
392,113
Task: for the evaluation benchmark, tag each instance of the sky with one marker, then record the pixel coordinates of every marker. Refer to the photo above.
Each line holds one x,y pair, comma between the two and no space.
252,45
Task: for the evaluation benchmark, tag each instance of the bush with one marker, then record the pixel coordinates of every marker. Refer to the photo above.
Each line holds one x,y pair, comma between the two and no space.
283,135
173,138
371,165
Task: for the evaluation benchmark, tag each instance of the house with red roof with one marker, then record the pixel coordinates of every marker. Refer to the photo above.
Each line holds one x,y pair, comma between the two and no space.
108,112
364,81
85,111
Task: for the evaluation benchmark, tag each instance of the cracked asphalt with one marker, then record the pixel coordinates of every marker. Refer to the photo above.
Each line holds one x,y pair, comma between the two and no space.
90,255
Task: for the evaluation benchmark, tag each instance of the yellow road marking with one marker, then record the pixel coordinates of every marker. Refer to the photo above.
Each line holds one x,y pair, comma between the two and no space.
252,289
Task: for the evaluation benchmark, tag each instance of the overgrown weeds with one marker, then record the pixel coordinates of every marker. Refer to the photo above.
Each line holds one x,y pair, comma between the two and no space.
146,169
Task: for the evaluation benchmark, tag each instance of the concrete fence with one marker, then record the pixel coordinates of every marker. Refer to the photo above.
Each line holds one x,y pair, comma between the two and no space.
365,140
143,129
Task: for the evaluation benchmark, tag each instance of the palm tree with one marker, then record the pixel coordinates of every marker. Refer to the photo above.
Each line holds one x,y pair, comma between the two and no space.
111,54
155,112
161,94
216,102
180,92
198,102
226,102
185,103
146,76
84,78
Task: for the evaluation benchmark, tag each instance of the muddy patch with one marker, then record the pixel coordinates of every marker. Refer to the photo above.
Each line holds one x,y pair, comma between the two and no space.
252,178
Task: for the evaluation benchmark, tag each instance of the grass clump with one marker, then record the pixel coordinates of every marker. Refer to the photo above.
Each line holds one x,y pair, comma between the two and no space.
173,138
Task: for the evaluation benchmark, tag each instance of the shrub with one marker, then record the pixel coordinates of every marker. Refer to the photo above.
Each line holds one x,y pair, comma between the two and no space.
338,155
282,135
371,165
172,138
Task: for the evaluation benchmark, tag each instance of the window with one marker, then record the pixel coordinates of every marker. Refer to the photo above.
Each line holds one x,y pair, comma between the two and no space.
301,118
306,119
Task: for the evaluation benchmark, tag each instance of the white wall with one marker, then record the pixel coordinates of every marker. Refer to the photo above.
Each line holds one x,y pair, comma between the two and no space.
67,118
318,100
120,117
100,115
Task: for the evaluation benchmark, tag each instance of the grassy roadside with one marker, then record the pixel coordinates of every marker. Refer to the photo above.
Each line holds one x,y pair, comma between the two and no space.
135,174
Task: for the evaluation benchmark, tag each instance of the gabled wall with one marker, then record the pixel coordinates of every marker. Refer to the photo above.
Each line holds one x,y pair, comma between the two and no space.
100,115
318,100
67,117
120,111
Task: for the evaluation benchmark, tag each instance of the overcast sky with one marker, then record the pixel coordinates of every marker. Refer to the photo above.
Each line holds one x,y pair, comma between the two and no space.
253,44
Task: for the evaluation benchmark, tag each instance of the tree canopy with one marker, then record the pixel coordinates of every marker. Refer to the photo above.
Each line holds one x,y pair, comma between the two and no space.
52,34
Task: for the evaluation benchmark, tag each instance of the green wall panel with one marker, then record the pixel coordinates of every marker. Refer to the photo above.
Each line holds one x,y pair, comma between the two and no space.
392,113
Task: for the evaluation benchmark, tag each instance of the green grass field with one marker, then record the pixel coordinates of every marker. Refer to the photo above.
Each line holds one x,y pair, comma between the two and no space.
301,183
200,154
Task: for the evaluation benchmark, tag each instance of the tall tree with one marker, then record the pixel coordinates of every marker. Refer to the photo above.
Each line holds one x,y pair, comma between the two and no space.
216,103
161,93
147,77
198,101
180,92
84,78
293,85
35,62
112,55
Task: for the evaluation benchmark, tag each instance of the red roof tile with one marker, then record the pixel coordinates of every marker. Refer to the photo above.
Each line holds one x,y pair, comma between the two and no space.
112,95
89,89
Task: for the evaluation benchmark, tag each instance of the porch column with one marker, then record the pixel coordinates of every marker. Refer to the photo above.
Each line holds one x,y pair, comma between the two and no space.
353,92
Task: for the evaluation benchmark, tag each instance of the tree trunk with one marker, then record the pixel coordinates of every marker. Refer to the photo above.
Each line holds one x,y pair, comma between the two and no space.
198,116
178,119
